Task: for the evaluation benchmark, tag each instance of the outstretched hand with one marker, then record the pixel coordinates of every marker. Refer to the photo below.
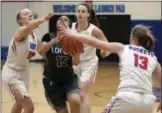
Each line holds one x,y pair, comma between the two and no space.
47,17
104,53
65,31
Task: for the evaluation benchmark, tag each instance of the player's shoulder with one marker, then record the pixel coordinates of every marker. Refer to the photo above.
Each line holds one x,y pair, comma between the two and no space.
21,28
152,54
92,25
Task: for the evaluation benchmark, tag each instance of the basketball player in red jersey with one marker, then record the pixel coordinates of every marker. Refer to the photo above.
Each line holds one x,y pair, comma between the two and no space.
22,47
137,66
86,70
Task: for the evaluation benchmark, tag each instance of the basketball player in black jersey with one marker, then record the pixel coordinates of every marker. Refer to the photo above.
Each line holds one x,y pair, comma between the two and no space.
60,82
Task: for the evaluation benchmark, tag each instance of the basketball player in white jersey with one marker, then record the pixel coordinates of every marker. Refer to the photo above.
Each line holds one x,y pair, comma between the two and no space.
137,66
87,68
22,47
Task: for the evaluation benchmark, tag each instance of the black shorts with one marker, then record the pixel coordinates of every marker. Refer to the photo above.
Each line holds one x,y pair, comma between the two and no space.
56,91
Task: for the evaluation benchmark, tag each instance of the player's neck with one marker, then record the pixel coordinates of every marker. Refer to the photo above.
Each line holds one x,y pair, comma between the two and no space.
82,26
134,43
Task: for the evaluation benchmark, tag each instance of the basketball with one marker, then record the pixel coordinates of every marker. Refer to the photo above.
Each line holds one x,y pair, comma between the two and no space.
71,45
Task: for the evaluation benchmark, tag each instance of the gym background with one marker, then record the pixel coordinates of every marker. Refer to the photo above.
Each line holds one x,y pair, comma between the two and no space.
115,18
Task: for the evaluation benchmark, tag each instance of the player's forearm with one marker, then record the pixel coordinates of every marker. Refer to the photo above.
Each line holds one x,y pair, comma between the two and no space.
34,24
158,73
104,39
84,38
90,40
26,30
46,46
76,59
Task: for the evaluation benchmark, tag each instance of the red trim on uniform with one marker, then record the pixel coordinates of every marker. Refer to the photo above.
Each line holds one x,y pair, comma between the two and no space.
33,35
31,54
12,91
110,106
91,79
76,26
15,92
14,44
14,47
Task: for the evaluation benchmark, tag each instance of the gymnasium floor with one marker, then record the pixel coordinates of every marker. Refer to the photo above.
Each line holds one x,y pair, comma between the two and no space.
104,88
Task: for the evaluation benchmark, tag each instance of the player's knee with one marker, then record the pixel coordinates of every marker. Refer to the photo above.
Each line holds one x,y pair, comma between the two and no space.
29,109
85,87
84,95
64,110
27,104
75,104
75,99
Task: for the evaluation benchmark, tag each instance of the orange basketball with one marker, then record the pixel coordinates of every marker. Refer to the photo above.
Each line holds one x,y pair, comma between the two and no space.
71,45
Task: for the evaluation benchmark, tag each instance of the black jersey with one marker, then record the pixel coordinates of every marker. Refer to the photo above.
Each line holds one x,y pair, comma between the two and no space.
57,62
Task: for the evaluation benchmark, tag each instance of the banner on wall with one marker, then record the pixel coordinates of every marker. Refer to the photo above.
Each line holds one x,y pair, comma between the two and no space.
99,8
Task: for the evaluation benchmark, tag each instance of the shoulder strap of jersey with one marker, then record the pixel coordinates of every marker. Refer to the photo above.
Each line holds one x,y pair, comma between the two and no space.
73,26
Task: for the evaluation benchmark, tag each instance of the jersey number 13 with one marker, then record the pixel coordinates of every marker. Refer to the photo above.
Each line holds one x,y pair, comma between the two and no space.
140,61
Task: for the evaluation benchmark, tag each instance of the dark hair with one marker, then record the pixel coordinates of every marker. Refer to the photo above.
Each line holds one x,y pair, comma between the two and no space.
70,22
93,17
18,17
144,36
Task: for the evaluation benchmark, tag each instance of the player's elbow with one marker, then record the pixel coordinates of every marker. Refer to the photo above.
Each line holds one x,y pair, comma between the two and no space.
42,52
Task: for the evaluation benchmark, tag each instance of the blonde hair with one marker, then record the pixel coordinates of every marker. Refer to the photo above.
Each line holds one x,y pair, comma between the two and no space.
144,36
18,17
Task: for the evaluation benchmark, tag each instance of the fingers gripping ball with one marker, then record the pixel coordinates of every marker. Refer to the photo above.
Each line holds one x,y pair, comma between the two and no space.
71,45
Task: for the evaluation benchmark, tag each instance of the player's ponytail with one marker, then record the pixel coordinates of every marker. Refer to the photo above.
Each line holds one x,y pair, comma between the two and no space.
93,18
144,37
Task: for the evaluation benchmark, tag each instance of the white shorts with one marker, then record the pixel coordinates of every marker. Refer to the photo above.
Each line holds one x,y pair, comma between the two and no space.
130,102
87,70
16,81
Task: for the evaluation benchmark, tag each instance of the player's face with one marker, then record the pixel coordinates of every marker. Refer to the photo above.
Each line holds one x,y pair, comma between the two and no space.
26,16
64,20
82,13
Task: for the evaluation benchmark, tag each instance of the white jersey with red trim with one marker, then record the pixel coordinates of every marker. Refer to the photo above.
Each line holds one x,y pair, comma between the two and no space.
19,53
89,51
136,67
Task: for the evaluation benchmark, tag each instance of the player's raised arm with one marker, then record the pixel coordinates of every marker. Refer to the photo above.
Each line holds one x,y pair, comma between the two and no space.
46,44
90,40
28,27
98,33
157,73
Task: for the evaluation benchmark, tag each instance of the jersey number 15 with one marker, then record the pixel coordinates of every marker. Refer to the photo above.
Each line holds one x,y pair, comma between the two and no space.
140,61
